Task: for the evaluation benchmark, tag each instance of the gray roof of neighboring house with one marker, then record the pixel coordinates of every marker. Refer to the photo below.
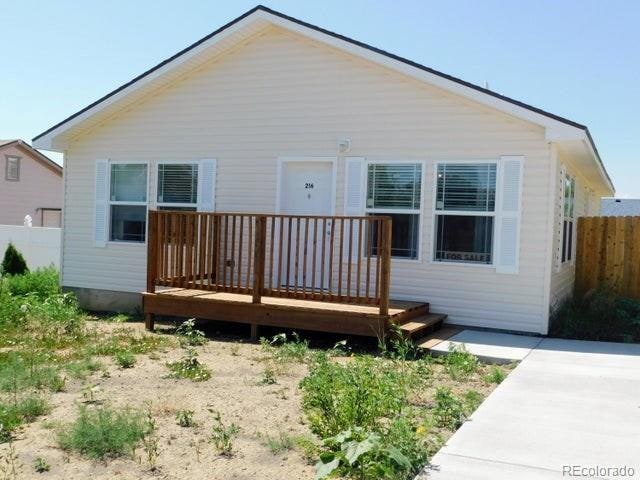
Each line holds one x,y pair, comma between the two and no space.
620,207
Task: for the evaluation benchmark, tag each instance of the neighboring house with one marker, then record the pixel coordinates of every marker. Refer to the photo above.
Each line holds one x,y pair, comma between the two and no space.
30,184
484,191
620,207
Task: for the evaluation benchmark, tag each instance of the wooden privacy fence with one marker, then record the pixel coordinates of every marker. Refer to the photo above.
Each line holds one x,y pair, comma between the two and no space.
608,253
322,258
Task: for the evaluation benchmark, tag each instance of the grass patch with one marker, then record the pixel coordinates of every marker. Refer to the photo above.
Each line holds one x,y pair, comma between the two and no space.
104,432
280,443
284,349
189,367
25,410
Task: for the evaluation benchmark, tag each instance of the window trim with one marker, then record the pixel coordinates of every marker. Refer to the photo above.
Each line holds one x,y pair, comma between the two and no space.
8,158
381,211
138,204
570,262
434,213
158,204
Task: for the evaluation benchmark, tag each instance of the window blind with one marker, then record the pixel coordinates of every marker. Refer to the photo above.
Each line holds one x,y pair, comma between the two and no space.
394,186
466,187
178,183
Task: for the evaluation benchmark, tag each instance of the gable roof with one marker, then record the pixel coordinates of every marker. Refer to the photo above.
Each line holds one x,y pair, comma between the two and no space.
557,127
35,154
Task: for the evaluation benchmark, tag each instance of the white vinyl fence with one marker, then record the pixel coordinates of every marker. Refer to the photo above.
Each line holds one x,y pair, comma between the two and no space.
39,245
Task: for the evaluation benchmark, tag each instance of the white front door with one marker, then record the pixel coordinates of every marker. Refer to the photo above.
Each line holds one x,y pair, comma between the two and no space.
306,188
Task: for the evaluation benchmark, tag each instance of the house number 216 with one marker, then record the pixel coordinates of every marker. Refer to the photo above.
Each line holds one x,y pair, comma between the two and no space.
308,185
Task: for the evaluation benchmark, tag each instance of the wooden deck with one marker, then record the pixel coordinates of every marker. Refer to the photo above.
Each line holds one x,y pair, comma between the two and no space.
281,312
329,274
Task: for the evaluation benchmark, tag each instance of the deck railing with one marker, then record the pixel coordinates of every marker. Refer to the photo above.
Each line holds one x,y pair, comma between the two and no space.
345,259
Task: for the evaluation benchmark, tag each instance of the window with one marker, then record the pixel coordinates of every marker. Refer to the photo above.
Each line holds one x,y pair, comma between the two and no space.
465,212
394,189
12,168
177,186
569,219
128,202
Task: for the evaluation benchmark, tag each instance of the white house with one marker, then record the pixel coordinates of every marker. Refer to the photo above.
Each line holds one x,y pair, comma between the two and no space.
484,191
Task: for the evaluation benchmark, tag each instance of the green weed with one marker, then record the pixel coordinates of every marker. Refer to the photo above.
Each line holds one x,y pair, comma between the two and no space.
222,435
448,411
189,367
283,349
188,335
281,443
125,359
337,397
459,363
496,375
184,418
41,465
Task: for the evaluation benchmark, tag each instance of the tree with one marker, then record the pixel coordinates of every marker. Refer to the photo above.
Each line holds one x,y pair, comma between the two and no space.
13,262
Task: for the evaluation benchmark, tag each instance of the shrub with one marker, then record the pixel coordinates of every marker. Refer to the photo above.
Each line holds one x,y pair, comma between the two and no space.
13,262
338,397
189,367
184,418
448,411
600,315
222,435
125,359
41,283
104,432
459,363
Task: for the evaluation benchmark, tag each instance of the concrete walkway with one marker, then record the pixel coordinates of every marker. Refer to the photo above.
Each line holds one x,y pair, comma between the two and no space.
567,403
491,346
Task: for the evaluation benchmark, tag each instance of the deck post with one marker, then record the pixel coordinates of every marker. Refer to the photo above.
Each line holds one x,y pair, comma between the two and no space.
259,254
385,265
152,252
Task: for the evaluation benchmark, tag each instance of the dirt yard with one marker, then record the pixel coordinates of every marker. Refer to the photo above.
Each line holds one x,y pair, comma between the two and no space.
235,389
260,396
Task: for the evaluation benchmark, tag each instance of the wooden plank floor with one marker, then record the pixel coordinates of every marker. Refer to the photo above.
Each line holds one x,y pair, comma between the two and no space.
279,311
396,307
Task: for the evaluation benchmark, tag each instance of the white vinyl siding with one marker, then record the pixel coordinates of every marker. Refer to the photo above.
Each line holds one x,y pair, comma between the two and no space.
282,95
563,273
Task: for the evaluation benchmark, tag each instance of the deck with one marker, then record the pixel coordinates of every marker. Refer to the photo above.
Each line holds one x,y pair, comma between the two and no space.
328,274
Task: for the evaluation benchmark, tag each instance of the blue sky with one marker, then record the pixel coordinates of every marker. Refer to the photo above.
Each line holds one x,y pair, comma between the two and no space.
579,59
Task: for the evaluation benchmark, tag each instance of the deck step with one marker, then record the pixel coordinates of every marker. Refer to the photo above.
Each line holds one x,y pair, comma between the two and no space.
437,337
430,322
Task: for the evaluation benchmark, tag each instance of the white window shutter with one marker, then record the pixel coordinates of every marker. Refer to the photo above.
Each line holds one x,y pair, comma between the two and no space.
353,200
207,185
354,186
101,206
508,225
